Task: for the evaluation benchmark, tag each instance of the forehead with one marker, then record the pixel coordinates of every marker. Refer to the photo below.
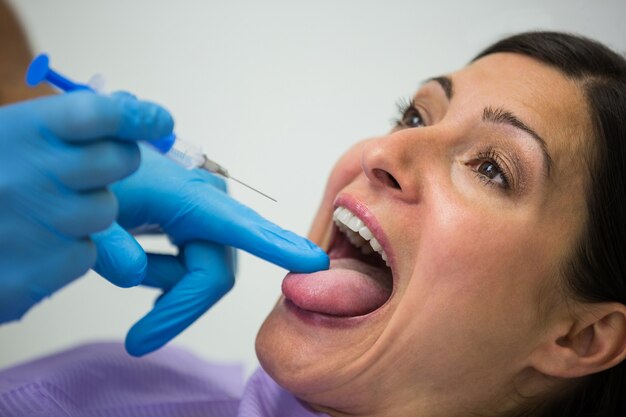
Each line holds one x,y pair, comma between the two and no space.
541,96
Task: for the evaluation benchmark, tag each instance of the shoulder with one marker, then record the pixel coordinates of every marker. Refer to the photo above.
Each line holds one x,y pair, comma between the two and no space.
103,376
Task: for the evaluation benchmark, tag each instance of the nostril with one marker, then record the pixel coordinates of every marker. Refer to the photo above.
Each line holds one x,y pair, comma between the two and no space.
386,178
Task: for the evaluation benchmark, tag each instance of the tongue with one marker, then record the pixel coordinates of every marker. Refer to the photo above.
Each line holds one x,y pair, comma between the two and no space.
349,288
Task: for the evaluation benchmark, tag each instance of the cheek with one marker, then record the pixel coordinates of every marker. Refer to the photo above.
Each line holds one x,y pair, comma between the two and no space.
477,277
482,243
484,255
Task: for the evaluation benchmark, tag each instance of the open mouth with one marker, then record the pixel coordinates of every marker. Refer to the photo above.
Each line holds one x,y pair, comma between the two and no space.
359,280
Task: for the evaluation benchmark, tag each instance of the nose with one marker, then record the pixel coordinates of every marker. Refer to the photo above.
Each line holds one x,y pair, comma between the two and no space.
396,163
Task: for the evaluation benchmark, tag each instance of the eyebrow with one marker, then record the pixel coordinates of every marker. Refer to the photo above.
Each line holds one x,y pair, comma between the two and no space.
446,84
500,116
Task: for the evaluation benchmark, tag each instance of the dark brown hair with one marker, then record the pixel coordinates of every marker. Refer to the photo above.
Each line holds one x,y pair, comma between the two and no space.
597,270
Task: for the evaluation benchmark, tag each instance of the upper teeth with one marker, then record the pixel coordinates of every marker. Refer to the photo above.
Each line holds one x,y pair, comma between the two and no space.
357,232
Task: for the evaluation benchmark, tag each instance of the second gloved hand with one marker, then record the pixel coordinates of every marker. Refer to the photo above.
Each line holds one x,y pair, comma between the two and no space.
57,156
193,209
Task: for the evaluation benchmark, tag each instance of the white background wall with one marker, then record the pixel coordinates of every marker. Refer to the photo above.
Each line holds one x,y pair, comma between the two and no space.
274,90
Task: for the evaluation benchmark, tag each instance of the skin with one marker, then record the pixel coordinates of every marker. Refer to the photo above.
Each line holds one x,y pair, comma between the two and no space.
478,314
15,56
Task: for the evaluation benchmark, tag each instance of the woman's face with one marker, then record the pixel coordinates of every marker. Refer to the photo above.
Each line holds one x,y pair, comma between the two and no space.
476,199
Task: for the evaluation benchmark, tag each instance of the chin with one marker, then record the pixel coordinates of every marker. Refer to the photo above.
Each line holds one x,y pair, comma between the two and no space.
325,331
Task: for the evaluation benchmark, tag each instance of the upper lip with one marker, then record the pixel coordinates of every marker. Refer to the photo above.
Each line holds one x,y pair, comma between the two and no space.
361,210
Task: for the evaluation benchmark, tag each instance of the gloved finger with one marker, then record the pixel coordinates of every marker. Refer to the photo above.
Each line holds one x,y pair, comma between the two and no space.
95,164
69,213
164,271
188,208
217,217
123,95
121,259
209,278
23,288
83,115
213,179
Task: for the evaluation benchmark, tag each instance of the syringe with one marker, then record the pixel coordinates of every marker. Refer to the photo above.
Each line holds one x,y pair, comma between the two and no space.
183,153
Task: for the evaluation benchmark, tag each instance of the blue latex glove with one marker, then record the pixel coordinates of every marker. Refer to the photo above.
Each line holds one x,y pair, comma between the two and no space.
57,156
193,209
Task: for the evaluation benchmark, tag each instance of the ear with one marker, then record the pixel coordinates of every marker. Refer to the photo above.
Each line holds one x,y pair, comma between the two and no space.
591,342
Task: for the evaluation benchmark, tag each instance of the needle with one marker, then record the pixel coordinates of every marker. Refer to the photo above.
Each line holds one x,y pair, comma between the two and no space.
212,166
253,189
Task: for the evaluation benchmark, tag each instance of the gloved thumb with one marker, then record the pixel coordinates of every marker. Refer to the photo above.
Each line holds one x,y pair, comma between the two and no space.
121,259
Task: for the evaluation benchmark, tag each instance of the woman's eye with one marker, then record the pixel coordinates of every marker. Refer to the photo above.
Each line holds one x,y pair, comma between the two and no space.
492,174
410,116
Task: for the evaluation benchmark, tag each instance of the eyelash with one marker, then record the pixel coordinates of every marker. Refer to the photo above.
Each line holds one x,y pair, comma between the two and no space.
407,108
493,157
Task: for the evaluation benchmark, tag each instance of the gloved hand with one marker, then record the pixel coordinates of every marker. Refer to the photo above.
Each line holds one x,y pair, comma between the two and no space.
193,209
57,156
